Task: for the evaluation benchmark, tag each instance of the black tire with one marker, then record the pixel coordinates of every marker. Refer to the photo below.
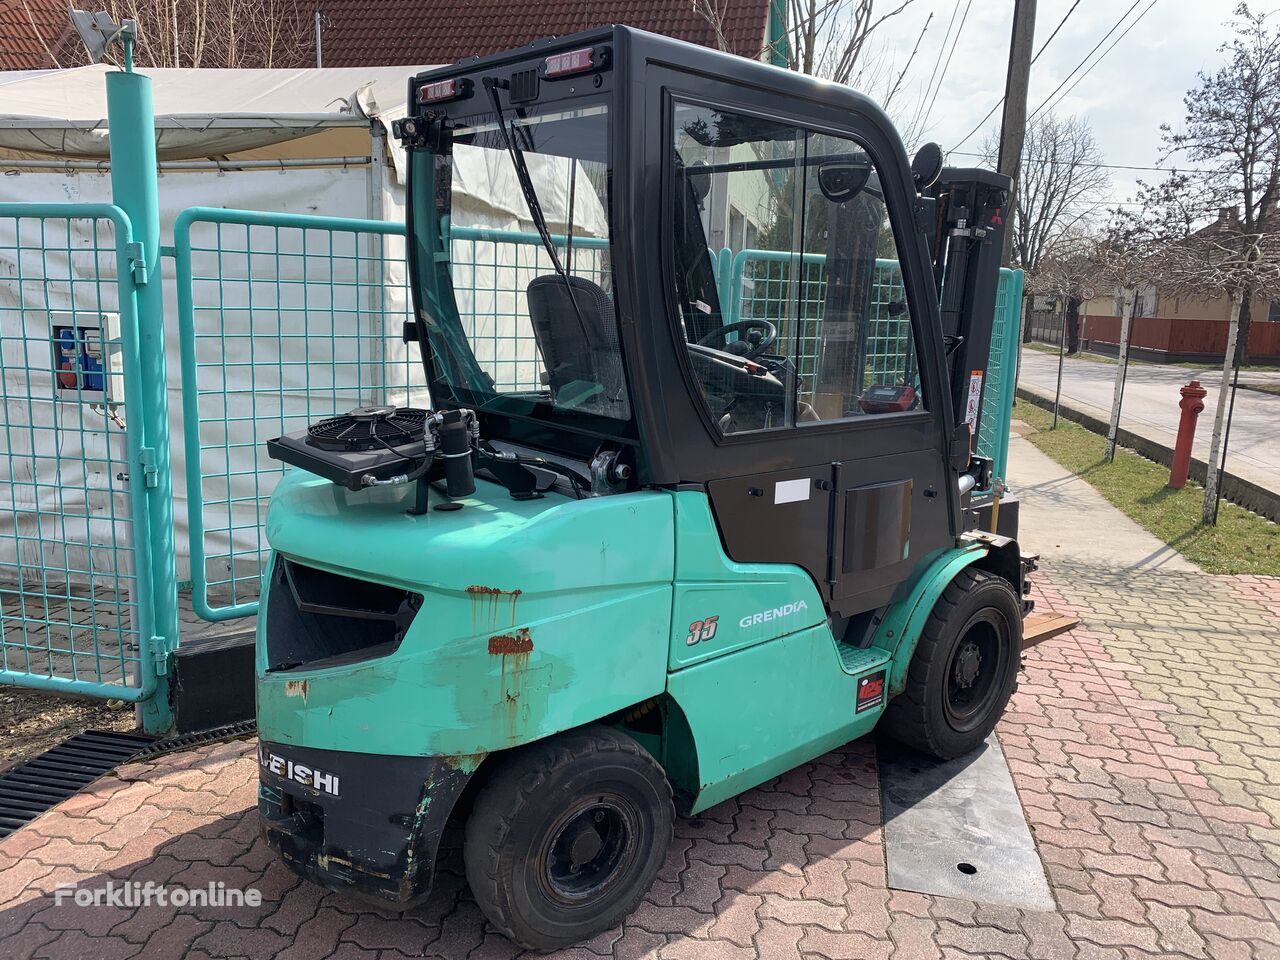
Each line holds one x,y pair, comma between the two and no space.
567,837
964,669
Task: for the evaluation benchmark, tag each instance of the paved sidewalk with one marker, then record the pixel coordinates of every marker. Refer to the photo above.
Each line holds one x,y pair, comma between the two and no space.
1151,407
1145,746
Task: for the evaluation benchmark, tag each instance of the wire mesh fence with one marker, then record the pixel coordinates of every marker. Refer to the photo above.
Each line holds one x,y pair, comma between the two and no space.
69,558
287,319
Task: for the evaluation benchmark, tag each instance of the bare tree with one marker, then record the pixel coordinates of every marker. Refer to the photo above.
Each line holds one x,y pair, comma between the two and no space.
217,33
1223,260
1125,259
1231,137
1062,184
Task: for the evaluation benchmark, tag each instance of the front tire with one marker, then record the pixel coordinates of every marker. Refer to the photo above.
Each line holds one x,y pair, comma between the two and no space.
964,668
567,837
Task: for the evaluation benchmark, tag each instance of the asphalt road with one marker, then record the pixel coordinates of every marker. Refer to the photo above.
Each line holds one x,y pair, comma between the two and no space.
1151,410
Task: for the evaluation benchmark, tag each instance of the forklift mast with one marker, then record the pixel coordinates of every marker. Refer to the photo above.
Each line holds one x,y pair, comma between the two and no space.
967,244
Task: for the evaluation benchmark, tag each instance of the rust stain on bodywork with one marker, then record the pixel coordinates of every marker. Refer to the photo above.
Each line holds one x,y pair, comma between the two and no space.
507,643
487,601
296,688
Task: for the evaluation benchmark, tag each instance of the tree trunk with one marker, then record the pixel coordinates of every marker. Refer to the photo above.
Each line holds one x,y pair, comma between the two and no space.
1073,325
1122,370
1246,324
1213,478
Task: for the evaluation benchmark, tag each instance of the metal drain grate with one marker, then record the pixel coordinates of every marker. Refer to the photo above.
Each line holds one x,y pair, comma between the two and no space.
30,789
231,731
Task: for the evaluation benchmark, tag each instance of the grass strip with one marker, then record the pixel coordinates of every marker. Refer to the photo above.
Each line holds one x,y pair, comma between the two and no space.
1241,543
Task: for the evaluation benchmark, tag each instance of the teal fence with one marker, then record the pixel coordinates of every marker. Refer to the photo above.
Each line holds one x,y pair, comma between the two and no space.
285,319
75,547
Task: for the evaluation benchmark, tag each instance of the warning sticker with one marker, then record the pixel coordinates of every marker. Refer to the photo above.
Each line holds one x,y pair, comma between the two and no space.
870,691
975,400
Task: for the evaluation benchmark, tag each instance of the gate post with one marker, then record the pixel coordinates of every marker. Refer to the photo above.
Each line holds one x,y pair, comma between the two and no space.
131,127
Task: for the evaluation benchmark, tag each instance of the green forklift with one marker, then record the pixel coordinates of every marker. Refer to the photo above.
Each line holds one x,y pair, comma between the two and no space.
692,500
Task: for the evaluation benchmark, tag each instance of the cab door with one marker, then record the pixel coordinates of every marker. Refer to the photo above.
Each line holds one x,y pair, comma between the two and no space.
789,255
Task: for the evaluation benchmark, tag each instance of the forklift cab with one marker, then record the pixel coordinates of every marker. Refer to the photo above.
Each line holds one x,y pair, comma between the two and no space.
721,277
699,438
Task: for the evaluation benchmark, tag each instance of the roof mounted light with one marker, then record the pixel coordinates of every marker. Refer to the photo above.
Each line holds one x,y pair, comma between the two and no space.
442,90
582,60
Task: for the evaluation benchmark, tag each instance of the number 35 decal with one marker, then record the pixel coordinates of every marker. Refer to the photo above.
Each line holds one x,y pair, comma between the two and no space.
701,630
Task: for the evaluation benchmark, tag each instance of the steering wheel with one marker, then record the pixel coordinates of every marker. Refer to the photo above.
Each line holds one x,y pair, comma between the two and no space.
718,339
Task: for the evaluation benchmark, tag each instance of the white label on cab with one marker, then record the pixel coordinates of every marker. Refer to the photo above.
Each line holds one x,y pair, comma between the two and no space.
791,491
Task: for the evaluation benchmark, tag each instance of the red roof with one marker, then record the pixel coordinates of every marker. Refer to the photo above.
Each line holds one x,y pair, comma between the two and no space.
37,35
386,32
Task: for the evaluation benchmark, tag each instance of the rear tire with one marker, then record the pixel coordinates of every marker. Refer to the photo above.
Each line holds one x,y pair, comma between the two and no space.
964,668
567,837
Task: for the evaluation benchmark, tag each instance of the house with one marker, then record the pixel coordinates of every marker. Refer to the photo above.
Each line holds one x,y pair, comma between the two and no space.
360,32
37,35
1167,327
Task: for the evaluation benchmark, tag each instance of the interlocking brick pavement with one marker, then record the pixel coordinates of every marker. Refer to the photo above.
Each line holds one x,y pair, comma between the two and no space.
1145,746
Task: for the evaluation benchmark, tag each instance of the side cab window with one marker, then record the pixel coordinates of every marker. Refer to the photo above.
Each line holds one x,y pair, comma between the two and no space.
787,279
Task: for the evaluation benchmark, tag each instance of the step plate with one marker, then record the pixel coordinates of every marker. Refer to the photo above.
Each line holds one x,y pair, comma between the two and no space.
956,829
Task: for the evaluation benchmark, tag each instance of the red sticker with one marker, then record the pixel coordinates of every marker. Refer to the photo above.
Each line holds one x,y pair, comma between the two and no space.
870,691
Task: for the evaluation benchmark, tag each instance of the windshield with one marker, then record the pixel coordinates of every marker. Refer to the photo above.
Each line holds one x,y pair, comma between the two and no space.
510,331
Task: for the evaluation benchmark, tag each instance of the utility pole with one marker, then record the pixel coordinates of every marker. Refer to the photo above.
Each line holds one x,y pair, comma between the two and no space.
1013,123
319,26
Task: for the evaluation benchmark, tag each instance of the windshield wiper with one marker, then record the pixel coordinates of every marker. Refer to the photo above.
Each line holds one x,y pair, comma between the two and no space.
492,84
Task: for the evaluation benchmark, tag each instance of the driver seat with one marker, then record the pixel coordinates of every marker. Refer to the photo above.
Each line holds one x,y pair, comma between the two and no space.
578,346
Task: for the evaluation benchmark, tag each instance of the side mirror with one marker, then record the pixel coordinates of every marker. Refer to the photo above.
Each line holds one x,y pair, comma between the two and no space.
698,175
927,166
842,180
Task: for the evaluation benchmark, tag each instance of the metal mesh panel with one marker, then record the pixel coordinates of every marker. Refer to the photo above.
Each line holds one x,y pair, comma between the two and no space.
287,319
68,588
290,319
491,272
998,385
762,286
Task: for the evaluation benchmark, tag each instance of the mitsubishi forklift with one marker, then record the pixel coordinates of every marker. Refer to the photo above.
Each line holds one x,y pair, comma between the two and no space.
691,502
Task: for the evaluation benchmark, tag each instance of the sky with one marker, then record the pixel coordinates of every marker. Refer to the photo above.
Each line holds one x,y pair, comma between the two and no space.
1135,88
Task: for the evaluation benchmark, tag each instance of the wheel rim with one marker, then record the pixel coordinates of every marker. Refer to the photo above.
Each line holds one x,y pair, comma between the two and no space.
588,847
974,669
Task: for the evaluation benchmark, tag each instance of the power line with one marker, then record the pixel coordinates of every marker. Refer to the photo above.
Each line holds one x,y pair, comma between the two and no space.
1116,26
979,124
1108,166
937,62
1135,22
946,66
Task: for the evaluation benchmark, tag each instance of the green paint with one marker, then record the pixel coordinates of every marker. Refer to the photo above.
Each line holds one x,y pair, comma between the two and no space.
133,189
609,626
899,632
709,584
597,611
763,710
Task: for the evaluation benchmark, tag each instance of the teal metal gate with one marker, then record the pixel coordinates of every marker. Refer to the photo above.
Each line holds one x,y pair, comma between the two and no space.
76,610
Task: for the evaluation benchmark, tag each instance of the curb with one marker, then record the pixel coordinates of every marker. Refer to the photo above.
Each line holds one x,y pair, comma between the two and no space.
1239,491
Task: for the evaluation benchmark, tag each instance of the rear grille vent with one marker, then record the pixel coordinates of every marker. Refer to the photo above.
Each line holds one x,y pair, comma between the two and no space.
320,619
524,85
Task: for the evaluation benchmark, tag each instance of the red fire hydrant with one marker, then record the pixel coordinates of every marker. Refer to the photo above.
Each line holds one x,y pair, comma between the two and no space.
1192,403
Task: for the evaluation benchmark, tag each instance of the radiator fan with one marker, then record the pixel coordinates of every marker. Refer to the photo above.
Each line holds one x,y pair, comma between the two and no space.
360,448
368,428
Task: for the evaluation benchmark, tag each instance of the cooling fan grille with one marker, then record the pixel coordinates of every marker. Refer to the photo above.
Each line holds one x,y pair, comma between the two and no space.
369,428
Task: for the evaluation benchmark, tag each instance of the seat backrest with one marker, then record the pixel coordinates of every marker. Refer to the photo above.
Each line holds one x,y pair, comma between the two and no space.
577,345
